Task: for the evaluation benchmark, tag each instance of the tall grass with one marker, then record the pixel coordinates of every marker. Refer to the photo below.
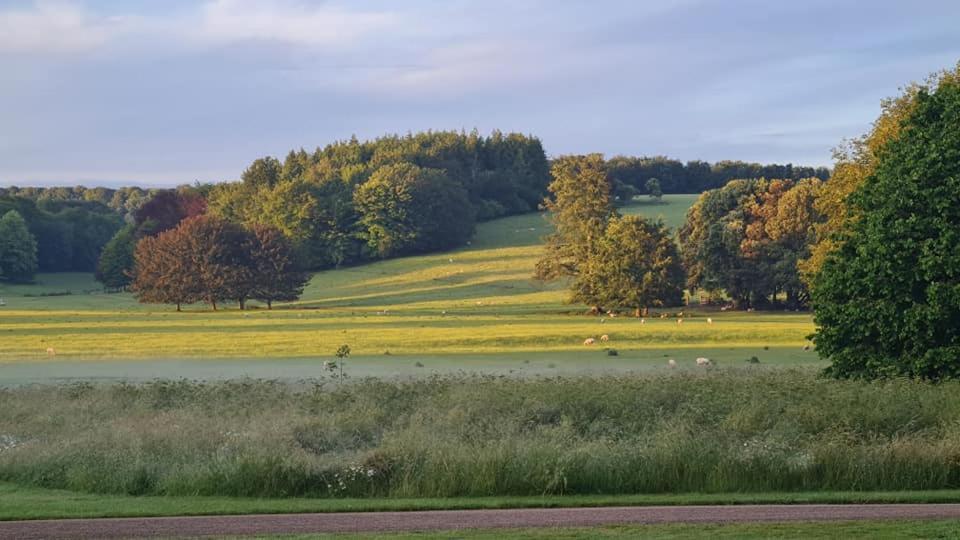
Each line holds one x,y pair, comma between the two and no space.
690,432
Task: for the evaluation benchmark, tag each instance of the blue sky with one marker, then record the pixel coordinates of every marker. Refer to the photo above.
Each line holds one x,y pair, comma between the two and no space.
167,92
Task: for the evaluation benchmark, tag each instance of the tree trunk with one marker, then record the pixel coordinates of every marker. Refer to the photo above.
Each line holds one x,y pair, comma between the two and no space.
243,303
269,304
214,304
178,307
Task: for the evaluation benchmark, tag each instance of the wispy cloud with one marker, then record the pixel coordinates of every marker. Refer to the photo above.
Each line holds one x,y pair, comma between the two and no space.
293,23
56,27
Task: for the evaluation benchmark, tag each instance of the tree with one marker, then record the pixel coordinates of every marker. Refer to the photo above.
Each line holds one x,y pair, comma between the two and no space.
263,172
887,300
653,189
163,274
856,161
202,259
166,209
406,209
275,271
580,207
18,249
116,264
635,265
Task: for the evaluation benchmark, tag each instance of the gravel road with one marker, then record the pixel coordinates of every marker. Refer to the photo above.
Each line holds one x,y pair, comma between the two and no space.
460,519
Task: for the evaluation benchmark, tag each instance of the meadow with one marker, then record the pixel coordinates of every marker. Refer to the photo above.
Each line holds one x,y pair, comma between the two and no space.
717,431
475,309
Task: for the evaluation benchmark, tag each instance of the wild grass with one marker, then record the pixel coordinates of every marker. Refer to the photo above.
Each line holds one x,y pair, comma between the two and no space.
704,432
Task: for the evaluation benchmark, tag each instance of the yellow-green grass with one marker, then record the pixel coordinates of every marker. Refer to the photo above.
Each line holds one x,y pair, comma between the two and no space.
475,305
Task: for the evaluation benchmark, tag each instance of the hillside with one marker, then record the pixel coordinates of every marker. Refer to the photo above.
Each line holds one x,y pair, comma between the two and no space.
474,307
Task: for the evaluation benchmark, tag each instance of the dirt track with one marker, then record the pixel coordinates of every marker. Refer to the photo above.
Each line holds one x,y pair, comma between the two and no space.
461,519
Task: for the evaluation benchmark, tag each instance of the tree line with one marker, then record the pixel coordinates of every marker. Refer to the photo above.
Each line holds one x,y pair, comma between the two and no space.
353,201
630,175
69,235
747,240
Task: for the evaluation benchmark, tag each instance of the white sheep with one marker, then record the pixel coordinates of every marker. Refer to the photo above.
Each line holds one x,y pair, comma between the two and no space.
589,341
51,351
705,362
643,321
604,338
709,320
679,321
672,363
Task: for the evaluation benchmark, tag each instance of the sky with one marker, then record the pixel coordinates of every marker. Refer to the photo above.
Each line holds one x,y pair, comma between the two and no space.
166,92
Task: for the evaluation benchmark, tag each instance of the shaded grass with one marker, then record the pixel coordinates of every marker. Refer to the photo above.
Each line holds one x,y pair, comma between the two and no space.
708,431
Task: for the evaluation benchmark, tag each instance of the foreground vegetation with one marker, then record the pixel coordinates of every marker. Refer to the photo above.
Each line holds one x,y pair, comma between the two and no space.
706,432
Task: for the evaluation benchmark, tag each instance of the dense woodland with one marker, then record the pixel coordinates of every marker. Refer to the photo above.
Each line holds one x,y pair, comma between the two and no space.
346,203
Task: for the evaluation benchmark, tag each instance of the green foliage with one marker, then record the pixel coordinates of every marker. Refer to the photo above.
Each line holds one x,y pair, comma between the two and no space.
888,300
698,176
746,239
653,189
634,265
18,249
580,206
405,209
856,160
749,431
312,197
115,267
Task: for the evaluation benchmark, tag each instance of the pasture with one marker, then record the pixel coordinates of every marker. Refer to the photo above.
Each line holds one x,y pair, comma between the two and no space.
473,309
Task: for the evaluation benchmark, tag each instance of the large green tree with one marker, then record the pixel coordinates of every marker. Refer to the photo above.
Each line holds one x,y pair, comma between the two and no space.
635,265
18,249
580,205
887,300
115,267
407,209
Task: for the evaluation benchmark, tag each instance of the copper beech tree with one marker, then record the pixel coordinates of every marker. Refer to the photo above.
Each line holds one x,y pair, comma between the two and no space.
206,259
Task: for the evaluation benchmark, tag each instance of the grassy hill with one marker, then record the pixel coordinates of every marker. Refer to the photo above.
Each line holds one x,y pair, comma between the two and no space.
476,307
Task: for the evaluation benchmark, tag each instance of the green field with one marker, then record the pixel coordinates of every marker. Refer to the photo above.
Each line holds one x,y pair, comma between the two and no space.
475,309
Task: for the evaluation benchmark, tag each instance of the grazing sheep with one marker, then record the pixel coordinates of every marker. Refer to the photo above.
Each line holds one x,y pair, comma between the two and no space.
589,341
672,363
709,320
51,351
679,321
705,362
806,347
604,338
602,319
643,321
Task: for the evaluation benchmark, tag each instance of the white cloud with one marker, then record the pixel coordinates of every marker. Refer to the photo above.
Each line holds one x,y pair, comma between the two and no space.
240,20
55,27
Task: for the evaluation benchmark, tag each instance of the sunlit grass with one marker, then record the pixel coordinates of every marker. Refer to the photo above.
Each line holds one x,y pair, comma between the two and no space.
477,300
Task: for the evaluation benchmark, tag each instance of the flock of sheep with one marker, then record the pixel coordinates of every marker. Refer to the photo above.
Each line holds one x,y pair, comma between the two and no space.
702,362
